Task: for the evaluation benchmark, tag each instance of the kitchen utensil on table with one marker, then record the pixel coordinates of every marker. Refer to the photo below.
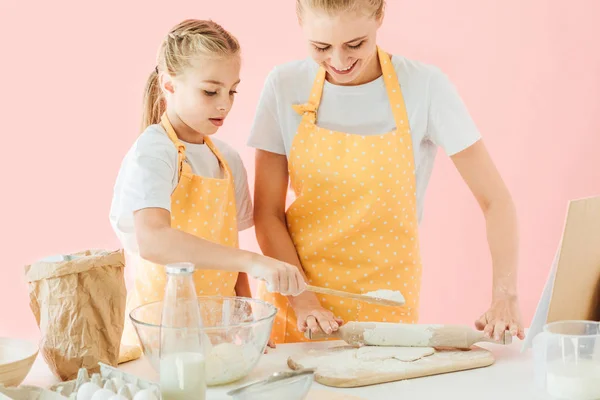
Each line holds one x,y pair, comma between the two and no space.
572,289
289,385
355,296
236,331
16,359
567,360
408,335
339,366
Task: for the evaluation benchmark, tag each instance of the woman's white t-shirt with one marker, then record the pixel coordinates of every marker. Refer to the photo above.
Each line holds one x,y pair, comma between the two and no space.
149,175
437,114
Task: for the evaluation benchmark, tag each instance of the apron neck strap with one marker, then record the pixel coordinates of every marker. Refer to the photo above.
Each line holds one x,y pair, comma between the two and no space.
209,143
316,92
166,124
392,86
309,109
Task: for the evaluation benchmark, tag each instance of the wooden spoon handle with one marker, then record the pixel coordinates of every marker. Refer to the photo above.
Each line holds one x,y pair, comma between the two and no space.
355,296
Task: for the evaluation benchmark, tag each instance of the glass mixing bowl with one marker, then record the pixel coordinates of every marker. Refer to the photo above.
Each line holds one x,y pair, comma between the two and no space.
235,334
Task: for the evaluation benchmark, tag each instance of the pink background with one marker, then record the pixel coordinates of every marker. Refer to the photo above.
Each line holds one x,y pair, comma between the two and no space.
73,76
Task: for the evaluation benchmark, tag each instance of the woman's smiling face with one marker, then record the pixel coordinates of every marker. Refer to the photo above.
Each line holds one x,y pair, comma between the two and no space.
344,44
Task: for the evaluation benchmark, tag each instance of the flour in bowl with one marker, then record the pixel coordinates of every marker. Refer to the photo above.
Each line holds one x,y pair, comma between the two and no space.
228,362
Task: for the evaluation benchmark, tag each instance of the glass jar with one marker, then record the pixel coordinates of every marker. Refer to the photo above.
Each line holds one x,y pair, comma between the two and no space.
567,360
182,362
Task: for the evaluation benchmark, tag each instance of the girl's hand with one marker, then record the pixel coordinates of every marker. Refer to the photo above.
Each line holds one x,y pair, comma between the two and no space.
280,277
270,344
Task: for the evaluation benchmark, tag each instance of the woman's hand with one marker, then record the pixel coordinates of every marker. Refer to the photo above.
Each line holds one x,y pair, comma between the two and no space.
481,175
502,315
312,316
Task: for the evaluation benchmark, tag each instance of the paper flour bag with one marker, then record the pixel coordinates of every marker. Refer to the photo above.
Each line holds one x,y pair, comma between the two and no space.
78,301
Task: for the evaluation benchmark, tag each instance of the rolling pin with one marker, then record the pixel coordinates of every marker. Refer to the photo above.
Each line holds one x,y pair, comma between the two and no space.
408,335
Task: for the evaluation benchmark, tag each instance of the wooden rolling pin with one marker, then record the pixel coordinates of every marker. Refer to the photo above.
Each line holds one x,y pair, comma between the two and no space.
408,335
355,296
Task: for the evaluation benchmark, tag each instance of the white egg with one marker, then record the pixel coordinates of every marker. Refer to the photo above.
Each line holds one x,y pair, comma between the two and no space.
87,390
103,394
146,394
118,397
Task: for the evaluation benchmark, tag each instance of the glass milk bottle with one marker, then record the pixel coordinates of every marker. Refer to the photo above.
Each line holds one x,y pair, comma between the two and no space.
182,365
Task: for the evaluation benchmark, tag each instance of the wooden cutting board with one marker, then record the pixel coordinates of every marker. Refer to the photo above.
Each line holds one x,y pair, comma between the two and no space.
316,394
338,366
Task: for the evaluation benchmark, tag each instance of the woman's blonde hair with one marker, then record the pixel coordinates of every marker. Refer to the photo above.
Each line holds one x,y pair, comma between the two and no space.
374,8
186,42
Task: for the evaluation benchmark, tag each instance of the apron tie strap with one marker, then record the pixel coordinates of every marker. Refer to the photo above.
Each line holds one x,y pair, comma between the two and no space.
307,110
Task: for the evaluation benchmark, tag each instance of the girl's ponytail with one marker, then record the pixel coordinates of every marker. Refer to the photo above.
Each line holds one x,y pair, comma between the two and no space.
154,103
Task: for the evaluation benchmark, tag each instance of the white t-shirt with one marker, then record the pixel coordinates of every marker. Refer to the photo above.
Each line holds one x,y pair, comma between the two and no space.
148,177
437,114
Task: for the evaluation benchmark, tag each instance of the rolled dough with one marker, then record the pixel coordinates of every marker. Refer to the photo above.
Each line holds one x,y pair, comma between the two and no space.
407,354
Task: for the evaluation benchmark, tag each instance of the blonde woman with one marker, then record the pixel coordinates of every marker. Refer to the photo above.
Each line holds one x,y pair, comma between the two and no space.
182,196
355,131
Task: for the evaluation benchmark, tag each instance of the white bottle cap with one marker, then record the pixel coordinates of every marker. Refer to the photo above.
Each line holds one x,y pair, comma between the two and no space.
180,268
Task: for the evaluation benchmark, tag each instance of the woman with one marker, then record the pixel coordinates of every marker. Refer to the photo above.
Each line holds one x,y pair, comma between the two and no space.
357,129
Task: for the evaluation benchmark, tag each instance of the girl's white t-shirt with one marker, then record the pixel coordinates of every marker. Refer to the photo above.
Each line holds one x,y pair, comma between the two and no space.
148,176
437,114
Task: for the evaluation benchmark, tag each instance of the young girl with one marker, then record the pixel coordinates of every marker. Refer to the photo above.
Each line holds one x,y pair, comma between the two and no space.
356,130
180,195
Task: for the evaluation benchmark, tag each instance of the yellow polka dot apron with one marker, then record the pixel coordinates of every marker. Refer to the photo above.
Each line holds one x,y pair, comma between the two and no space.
354,221
204,207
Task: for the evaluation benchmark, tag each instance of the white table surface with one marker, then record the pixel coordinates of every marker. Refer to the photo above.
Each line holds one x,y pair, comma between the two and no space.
510,377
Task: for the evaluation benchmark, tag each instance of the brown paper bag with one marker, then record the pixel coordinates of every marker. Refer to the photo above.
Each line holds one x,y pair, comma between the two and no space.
79,304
